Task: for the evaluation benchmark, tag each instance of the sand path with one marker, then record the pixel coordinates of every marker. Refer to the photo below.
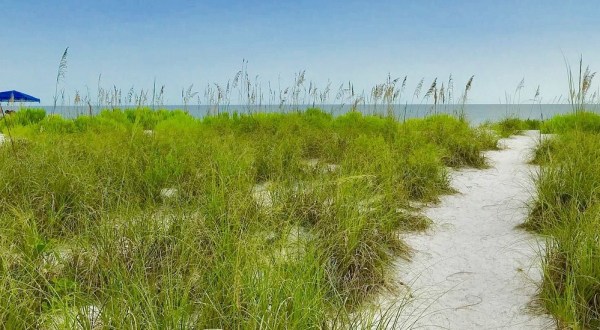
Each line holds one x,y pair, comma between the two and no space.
474,269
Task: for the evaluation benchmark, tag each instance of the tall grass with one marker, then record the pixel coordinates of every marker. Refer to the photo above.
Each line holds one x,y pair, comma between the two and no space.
579,85
513,125
62,70
567,210
248,93
155,219
580,121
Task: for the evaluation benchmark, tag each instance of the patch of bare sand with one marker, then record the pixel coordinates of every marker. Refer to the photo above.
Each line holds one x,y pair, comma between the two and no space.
474,269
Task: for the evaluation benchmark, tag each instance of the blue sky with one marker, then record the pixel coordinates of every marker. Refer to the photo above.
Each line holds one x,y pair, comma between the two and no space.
130,43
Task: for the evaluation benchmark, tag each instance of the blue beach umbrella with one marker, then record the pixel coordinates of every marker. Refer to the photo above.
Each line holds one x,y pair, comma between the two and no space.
16,96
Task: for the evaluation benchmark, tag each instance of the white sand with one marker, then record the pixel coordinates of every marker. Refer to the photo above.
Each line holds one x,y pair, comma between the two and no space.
474,269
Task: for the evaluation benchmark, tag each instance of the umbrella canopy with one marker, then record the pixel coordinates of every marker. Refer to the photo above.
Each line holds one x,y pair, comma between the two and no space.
16,96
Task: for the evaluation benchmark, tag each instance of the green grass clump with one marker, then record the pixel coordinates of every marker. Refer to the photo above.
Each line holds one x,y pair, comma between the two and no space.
461,145
142,219
581,121
28,116
567,210
544,151
23,117
512,125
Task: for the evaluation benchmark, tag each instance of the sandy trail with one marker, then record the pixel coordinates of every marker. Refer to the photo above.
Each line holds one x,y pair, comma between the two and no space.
474,269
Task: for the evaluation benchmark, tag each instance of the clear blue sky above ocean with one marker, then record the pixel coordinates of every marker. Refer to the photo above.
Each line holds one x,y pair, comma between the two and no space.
178,43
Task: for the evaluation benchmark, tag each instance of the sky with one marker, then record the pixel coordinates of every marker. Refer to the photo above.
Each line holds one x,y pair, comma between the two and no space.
179,43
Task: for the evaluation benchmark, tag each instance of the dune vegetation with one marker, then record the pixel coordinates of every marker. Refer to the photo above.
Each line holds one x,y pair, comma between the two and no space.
513,125
154,219
567,211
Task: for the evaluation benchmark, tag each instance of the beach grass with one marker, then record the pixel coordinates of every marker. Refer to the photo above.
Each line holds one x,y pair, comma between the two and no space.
567,211
513,125
137,218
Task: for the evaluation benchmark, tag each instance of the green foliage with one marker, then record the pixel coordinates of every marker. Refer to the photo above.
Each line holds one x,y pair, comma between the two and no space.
567,210
161,220
461,144
28,116
56,124
582,121
511,126
148,118
23,117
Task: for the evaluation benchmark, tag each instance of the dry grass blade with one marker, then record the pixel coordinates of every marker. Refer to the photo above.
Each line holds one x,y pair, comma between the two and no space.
62,70
418,88
431,89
